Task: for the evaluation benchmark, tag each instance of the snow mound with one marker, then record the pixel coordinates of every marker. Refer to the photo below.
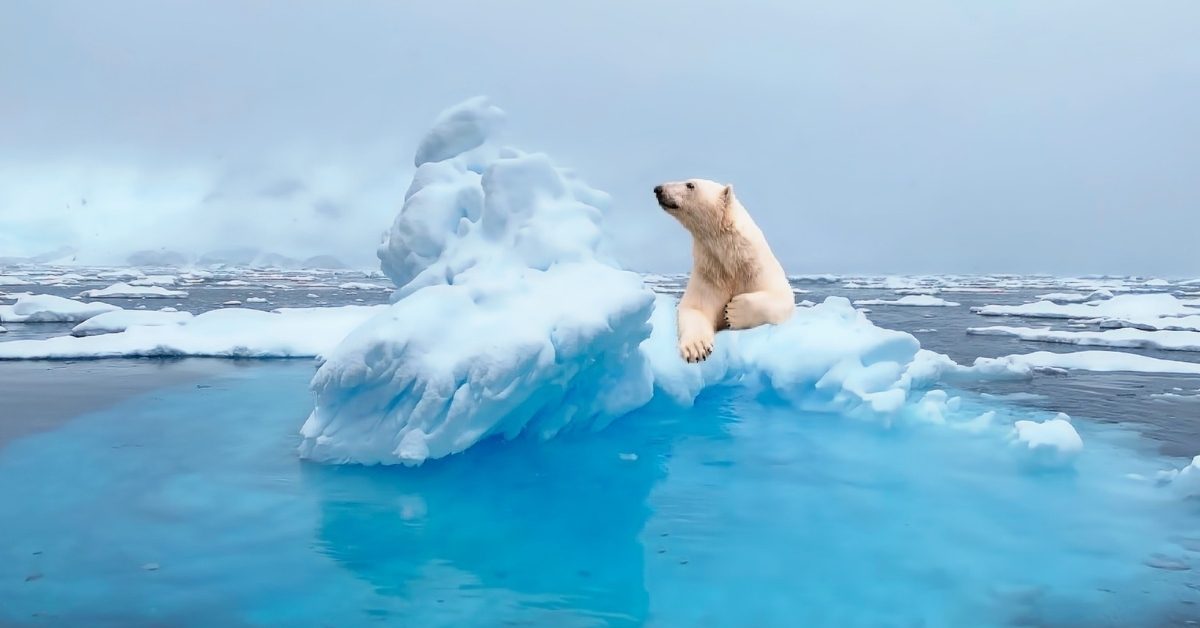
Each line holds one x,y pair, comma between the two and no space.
120,320
510,317
1052,443
915,300
1126,338
47,308
225,333
127,291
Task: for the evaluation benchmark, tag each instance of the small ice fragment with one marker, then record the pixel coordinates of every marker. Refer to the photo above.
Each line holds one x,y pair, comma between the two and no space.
628,457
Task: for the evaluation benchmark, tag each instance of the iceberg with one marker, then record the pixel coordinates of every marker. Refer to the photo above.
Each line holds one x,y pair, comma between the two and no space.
47,308
510,317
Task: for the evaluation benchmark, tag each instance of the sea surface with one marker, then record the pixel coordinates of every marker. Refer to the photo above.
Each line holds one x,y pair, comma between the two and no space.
168,492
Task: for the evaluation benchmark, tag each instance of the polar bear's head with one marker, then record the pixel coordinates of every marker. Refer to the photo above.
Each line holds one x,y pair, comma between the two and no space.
699,204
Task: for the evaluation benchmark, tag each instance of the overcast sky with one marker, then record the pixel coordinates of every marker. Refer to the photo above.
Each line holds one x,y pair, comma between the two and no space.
919,136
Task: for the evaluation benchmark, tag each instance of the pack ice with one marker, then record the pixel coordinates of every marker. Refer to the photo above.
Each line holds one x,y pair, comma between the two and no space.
510,317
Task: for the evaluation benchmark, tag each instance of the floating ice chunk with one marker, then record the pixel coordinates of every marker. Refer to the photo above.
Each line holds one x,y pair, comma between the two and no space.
1165,323
934,406
120,320
1157,283
1186,481
1076,297
121,274
13,280
47,308
155,280
1051,443
233,283
917,300
231,302
1120,338
228,333
2,329
1098,361
1124,306
126,291
255,300
358,285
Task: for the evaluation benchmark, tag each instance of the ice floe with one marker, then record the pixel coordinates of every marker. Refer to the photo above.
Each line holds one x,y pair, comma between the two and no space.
916,300
47,308
228,333
127,291
1125,338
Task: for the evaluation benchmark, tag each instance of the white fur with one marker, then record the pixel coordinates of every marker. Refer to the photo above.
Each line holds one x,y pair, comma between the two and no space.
736,282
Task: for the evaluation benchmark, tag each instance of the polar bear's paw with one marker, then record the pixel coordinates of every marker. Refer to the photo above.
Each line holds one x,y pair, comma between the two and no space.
743,313
696,348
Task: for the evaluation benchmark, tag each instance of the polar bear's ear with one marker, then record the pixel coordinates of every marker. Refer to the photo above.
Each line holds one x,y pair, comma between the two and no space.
727,195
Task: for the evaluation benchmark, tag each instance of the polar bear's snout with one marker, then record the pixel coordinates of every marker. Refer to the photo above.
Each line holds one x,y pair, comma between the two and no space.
664,198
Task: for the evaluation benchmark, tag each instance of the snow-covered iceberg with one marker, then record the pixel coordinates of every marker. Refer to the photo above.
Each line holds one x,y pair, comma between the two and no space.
509,316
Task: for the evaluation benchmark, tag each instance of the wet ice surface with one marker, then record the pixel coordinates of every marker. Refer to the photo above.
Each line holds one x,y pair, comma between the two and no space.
169,492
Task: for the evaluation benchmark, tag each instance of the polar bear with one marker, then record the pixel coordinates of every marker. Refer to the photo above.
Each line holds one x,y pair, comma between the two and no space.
736,282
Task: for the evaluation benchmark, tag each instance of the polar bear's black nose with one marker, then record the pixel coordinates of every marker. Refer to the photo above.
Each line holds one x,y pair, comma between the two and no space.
658,190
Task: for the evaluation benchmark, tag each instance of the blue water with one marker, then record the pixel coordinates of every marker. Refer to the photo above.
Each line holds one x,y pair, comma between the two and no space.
188,506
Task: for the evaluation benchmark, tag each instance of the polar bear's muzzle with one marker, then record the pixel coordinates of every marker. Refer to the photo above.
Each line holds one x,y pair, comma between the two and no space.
664,201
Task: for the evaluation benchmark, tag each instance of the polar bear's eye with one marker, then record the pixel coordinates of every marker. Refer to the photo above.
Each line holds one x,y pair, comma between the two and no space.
691,186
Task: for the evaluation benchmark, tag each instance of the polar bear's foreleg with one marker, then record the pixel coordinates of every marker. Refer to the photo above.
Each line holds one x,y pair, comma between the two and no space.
752,309
696,333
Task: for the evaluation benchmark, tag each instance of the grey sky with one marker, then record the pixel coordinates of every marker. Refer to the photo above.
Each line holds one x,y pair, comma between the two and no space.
923,136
